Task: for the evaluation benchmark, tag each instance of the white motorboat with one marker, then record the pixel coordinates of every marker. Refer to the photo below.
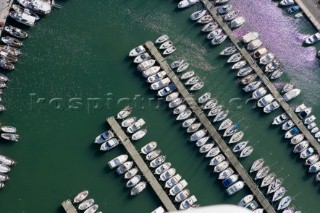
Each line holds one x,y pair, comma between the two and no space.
187,3
37,6
172,96
292,132
188,203
173,181
217,2
214,33
314,168
252,86
287,87
23,18
279,194
202,141
109,144
153,154
9,129
197,15
225,9
205,148
259,93
286,2
313,38
213,152
287,125
230,180
169,50
225,124
160,84
297,139
236,137
267,58
133,181
234,58
179,109
231,130
217,159
148,147
210,104
139,134
239,65
215,110
280,119
167,90
138,188
197,86
162,39
272,66
117,161
166,45
231,15
125,112
205,19
257,165
291,94
284,203
81,196
127,122
187,75
3,177
197,135
182,195
193,80
7,161
193,127
274,186
176,63
247,38
157,161
131,173
162,168
226,173
167,174
244,71
210,26
136,126
124,167
10,136
237,22
221,166
261,51
312,125
156,77
245,200
235,187
246,152
4,168
255,44
92,209
141,58
228,51
301,146
248,79
178,187
182,67
146,65
184,115
188,122
306,153
309,119
265,100
271,107
151,71
262,173
219,39
86,204
240,146
137,51
267,180
203,98
13,42
312,159
221,116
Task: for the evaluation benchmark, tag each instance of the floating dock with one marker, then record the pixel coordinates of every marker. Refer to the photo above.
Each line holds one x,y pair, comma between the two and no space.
5,6
246,55
144,169
311,10
68,207
211,130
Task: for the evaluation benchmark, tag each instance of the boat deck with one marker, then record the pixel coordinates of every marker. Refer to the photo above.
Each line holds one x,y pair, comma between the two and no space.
211,130
5,6
246,55
144,169
68,207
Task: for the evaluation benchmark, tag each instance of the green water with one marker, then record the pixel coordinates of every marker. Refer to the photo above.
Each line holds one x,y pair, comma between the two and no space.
73,71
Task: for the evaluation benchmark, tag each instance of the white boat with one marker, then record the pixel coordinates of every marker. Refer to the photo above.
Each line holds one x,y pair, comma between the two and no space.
92,209
117,161
210,26
137,189
252,86
197,15
292,132
246,152
239,65
182,67
313,38
280,119
287,87
236,137
255,44
244,71
193,80
309,119
213,152
136,126
166,45
235,187
274,186
3,177
131,173
86,204
215,110
124,167
221,116
156,77
217,2
137,51
234,58
37,6
167,90
167,174
287,125
20,9
4,169
109,144
141,58
286,2
9,129
202,141
317,177
257,165
210,104
158,210
10,136
153,154
237,22
267,58
240,146
146,65
291,94
176,63
187,3
193,127
228,51
139,134
267,180
297,139
271,107
182,195
178,187
259,93
162,168
245,200
306,153
172,181
187,75
312,159
231,15
197,86
262,173
188,122
221,166
231,130
284,203
184,115
205,19
169,50
248,79
150,71
127,122
230,180
160,84
179,109
219,39
162,39
214,33
188,203
125,112
148,147
203,98
314,167
157,161
247,38
81,196
205,148
279,194
23,18
197,135
312,125
226,173
272,66
172,96
217,159
261,51
225,9
265,100
225,124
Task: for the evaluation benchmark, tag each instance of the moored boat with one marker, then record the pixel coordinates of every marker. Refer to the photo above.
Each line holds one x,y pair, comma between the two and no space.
86,204
137,189
246,152
148,147
257,165
137,51
125,112
10,136
81,196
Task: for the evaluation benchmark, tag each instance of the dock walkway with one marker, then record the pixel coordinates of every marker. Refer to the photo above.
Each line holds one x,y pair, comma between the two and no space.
68,207
246,55
144,169
5,6
211,130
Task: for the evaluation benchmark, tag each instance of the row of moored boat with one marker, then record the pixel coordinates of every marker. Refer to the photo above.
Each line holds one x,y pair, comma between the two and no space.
88,205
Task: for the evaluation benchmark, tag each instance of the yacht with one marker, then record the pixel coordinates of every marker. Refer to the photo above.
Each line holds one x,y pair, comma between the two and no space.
274,186
20,9
178,187
7,161
280,119
284,203
237,22
146,65
292,132
169,50
176,102
193,127
173,181
4,168
231,130
234,58
136,126
23,18
245,200
92,209
314,167
81,196
205,148
272,66
217,159
197,15
225,9
313,38
203,98
179,109
184,115
259,93
221,116
37,6
215,110
138,188
167,174
291,94
228,51
246,152
86,204
265,100
231,15
182,67
230,180
162,38
309,119
210,104
214,33
301,146
124,167
150,71
109,144
236,137
202,141
141,58
239,65
127,122
287,125
247,38
172,96
11,41
131,173
148,147
279,194
166,45
162,168
244,71
182,195
219,39
226,173
225,124
160,84
3,177
10,136
167,90
255,44
193,80
312,159
235,187
133,181
157,161
137,51
248,79
197,135
271,107
267,58
221,166
297,139
205,19
306,153
240,146
125,112
305,113
252,86
267,180
187,75
153,154
9,129
188,203
187,3
210,26
139,134
261,51
176,64
117,161
257,165
213,152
